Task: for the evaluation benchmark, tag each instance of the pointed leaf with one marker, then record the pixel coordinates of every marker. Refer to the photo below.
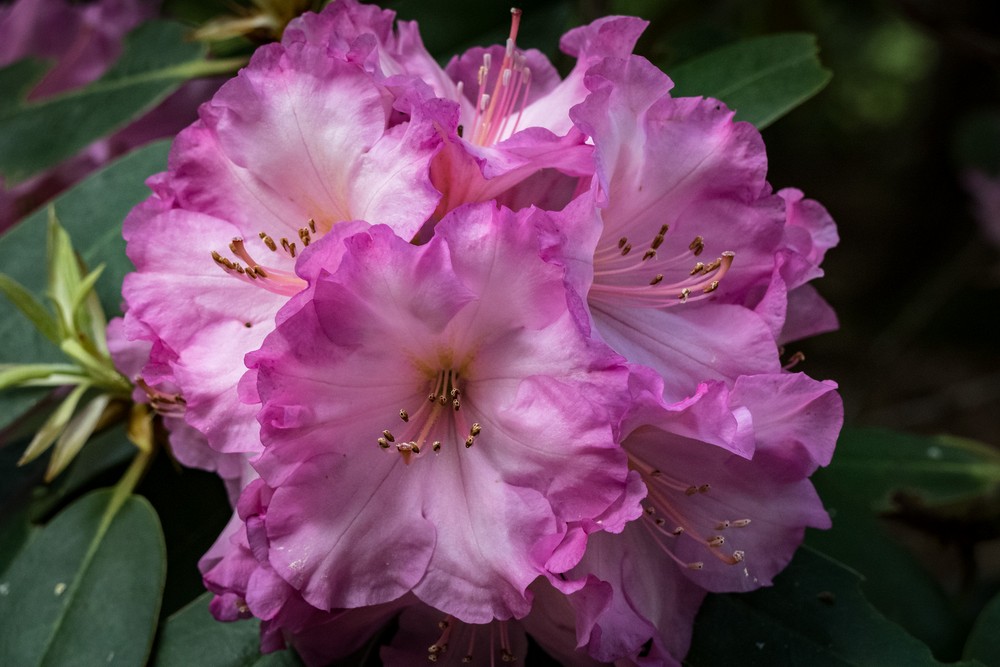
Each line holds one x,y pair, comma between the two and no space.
40,318
761,79
87,590
54,425
75,435
156,58
15,374
80,295
814,615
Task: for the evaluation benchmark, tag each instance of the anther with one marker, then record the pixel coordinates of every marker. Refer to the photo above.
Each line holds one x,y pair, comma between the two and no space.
740,523
704,488
268,241
388,435
312,225
722,525
683,296
404,415
383,443
657,279
456,404
436,446
697,246
691,490
678,531
460,131
622,241
699,267
304,235
658,521
712,286
696,566
716,541
738,557
649,254
475,430
471,440
627,249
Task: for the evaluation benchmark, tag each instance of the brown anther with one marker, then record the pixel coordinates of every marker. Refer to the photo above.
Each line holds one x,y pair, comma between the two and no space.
434,648
238,267
704,488
476,429
655,473
699,267
304,235
712,286
738,557
404,415
432,657
387,434
456,404
312,225
697,246
251,274
650,510
454,393
691,490
627,249
663,230
712,266
383,443
679,530
467,659
460,131
432,397
658,521
436,446
649,254
268,241
696,566
443,624
683,296
657,279
260,272
219,259
622,242
722,525
716,541
740,523
657,241
471,440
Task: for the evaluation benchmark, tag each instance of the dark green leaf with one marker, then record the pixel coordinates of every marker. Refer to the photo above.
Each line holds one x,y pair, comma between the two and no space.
92,214
761,79
872,472
814,615
16,81
193,637
156,59
984,640
87,589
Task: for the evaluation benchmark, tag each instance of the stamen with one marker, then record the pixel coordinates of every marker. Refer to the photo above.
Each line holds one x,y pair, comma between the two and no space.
272,279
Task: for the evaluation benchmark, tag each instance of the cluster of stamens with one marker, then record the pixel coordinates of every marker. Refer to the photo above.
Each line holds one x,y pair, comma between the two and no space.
272,279
450,627
444,397
164,403
614,261
494,107
666,516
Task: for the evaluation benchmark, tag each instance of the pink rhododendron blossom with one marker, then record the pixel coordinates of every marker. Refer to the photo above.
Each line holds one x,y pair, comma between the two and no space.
82,41
296,144
481,346
442,404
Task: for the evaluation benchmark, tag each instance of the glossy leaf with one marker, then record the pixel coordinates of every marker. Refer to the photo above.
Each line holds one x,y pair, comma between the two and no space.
814,615
761,79
87,589
871,473
155,60
92,214
193,637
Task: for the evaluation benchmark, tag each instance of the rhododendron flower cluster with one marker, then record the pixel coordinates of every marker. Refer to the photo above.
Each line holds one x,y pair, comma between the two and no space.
479,348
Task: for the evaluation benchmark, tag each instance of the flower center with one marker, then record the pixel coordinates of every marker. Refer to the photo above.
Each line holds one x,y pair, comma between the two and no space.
271,278
675,509
509,94
426,427
465,635
618,268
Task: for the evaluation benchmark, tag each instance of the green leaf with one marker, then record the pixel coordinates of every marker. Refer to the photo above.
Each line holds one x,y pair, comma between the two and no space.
87,590
156,58
761,79
872,471
54,425
17,80
984,640
15,374
92,214
814,615
193,637
40,318
75,435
